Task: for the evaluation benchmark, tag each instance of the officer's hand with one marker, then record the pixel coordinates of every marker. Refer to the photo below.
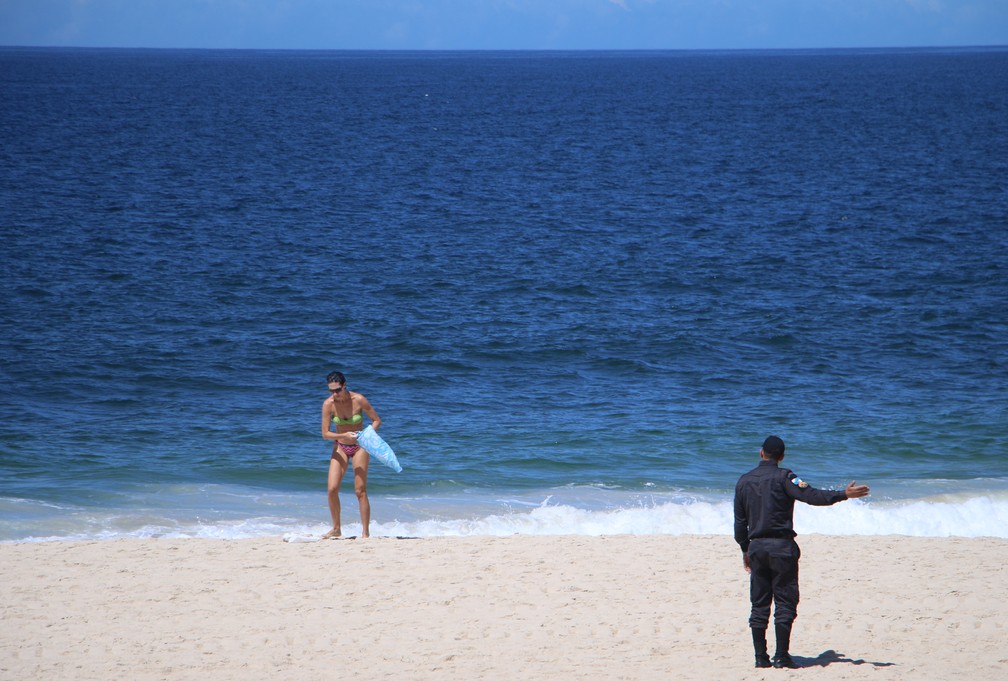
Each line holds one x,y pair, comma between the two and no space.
745,562
855,491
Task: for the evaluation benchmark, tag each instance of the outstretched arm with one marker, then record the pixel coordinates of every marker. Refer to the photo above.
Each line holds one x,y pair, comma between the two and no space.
800,490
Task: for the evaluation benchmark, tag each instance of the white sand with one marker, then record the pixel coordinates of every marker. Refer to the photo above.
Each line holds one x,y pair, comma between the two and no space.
571,607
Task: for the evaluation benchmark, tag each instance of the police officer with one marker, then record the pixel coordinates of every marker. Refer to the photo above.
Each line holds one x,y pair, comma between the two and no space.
764,510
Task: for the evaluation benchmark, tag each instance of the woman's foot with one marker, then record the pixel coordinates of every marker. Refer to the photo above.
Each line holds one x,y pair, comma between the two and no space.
333,534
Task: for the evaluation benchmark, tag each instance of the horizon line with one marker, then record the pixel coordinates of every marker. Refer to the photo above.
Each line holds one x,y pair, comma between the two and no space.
509,49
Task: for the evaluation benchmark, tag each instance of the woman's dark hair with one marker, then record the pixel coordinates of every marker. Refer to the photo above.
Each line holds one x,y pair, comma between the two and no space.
336,377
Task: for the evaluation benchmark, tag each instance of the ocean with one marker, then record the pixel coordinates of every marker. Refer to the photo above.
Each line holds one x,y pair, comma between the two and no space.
580,288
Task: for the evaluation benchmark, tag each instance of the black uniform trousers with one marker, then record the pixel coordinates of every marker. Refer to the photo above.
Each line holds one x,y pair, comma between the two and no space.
773,577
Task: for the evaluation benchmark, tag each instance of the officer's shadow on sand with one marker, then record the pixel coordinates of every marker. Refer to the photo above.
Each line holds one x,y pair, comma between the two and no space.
829,657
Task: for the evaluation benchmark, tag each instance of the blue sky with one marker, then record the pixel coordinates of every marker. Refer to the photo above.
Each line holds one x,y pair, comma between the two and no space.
504,24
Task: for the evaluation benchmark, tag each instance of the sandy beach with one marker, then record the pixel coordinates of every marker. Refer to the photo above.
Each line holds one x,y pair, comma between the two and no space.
568,607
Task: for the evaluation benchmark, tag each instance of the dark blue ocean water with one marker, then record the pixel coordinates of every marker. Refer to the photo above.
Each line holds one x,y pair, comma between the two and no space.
579,288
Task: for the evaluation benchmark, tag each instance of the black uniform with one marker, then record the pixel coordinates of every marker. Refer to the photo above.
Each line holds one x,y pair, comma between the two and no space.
764,510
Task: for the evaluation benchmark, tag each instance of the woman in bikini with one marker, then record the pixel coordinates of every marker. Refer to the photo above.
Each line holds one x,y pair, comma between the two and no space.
341,421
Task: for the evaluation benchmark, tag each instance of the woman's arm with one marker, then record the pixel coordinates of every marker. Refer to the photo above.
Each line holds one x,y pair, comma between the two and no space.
369,410
327,412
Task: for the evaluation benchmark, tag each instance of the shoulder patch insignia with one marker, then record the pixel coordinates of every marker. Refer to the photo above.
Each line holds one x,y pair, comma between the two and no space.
798,481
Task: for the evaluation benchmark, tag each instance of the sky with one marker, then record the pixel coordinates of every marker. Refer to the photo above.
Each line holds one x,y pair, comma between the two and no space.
504,24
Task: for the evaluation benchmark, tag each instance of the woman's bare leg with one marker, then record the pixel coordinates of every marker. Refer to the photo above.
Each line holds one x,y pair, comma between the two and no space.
360,467
337,469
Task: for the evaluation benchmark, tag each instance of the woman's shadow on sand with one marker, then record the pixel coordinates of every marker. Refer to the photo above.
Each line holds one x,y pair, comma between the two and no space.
829,657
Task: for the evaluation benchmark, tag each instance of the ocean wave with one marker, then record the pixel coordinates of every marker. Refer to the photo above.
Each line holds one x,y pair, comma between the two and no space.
973,516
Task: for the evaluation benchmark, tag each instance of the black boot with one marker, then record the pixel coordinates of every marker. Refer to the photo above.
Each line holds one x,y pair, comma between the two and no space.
782,658
759,645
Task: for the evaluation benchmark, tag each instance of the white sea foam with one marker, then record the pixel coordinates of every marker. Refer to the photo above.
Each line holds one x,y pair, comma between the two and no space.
974,517
984,515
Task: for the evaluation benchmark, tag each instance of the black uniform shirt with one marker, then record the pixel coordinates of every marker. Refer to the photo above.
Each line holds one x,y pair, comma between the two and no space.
764,502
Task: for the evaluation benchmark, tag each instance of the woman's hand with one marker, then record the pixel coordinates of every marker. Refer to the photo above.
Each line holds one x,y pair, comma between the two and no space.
347,438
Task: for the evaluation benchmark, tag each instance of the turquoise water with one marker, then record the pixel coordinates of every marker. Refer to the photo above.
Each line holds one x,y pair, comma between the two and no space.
579,288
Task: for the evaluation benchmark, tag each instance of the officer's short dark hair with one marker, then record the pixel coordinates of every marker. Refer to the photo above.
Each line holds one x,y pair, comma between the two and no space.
773,447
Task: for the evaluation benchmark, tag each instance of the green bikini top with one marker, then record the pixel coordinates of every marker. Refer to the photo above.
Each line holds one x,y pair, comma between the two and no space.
353,420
